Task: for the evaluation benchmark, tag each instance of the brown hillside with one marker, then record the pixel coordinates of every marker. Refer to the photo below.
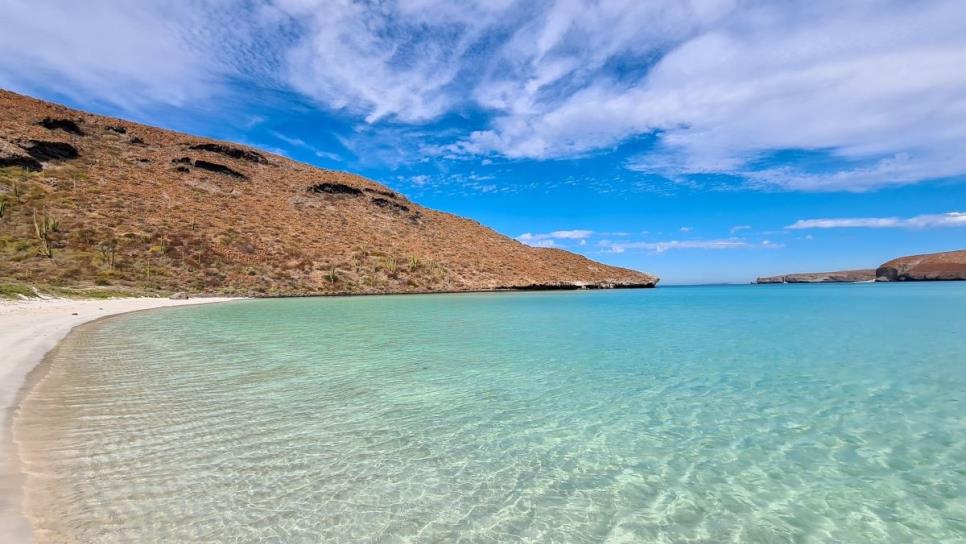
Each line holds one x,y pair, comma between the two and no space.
949,265
117,203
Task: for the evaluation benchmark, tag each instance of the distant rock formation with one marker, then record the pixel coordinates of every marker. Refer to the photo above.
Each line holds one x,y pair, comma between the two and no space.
842,276
950,265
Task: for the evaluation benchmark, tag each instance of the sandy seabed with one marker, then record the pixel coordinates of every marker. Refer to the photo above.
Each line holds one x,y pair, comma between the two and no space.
28,330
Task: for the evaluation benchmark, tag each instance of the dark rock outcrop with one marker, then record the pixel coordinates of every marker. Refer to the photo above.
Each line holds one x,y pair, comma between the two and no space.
181,160
233,152
390,205
389,194
334,189
117,129
219,169
950,265
11,155
44,151
66,125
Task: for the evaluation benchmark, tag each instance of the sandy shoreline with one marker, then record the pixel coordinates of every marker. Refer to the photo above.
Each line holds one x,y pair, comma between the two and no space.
28,330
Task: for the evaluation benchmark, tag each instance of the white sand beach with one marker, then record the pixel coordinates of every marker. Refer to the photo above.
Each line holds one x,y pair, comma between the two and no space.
28,330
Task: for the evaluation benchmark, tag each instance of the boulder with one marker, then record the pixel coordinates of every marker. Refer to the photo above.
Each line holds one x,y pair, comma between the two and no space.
179,296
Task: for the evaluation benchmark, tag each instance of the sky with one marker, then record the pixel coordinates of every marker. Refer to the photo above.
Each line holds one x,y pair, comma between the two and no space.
703,141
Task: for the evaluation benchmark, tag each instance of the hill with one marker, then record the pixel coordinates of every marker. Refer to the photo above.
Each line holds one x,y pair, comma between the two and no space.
949,265
91,200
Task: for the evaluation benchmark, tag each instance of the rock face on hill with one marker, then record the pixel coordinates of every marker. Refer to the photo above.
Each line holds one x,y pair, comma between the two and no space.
950,265
89,199
843,276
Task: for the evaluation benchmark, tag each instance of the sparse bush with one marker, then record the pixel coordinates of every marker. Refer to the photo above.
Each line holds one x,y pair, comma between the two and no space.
44,228
391,266
3,206
414,263
332,276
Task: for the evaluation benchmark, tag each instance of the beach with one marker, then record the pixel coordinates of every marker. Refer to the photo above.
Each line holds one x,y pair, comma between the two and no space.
28,330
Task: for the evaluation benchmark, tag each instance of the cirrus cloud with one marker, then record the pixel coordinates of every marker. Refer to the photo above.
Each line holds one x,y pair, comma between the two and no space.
926,221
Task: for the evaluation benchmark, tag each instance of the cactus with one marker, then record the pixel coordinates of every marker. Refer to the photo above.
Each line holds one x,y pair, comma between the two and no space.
414,263
44,228
391,266
108,251
332,276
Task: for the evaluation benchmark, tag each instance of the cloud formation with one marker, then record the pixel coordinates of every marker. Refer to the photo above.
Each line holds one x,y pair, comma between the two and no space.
926,221
723,86
661,247
549,239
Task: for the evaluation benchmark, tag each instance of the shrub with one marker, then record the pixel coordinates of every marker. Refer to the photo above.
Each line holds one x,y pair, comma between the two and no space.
44,228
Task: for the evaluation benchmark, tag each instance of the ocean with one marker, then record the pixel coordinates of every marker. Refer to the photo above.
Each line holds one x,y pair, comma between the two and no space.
772,414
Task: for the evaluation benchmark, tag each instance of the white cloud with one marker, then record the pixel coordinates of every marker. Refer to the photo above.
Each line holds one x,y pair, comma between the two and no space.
723,84
661,247
686,229
738,228
549,238
951,219
542,243
863,82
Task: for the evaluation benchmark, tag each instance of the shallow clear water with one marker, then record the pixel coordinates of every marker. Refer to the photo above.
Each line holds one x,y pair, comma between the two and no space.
831,413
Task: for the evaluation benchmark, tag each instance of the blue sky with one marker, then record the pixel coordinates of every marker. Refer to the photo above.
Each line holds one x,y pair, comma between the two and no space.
704,141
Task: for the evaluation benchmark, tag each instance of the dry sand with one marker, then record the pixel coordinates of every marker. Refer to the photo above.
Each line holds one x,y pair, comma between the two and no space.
28,330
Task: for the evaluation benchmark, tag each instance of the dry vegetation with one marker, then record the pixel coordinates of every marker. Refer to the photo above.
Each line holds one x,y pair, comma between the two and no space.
92,201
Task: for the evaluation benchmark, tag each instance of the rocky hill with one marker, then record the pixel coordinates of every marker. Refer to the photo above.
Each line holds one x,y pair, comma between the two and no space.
950,265
86,199
842,276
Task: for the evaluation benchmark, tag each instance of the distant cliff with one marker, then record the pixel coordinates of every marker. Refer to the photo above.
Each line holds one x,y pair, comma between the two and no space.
843,276
950,265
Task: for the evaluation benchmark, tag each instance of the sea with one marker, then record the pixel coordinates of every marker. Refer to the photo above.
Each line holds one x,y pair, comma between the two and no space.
706,414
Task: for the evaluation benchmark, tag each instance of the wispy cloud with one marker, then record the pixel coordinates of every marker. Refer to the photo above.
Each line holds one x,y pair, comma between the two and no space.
738,228
661,247
951,219
719,84
548,239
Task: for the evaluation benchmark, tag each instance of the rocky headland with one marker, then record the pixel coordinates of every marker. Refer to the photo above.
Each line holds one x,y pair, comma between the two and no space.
842,276
949,265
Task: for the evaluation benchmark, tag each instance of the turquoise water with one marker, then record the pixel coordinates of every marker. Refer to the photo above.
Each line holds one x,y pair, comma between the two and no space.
788,413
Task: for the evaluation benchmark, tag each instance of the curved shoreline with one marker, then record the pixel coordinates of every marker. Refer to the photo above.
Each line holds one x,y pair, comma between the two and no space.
29,329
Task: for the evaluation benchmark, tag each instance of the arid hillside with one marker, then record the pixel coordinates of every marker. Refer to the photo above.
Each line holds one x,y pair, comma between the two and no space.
90,200
949,265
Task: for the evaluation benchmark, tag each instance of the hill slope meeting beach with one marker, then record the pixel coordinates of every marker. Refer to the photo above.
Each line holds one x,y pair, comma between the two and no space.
135,205
515,272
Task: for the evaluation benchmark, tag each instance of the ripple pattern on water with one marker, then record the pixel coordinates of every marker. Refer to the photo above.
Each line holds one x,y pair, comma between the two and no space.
728,414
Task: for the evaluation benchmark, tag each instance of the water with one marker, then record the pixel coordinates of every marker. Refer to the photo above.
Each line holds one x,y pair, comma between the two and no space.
830,413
